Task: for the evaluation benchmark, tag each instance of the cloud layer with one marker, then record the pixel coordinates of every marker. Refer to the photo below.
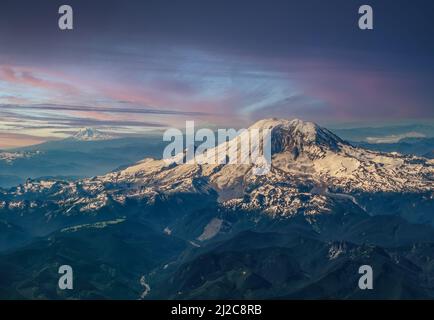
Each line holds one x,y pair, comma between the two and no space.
221,63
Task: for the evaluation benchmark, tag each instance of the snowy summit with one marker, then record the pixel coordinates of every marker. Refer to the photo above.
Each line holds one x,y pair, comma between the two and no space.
90,134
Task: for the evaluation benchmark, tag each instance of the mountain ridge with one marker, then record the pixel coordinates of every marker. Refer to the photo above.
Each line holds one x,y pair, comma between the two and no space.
300,231
306,175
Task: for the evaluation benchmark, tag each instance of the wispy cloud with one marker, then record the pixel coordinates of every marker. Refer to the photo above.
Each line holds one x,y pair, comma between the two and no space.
138,86
394,138
25,77
13,140
13,117
137,110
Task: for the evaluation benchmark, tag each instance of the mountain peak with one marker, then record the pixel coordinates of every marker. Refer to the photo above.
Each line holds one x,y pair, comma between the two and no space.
297,137
306,128
91,134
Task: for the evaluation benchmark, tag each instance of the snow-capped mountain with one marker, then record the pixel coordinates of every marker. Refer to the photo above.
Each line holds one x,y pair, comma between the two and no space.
191,229
303,154
311,169
90,134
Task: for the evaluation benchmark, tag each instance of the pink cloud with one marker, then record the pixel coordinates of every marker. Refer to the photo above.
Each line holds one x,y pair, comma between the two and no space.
353,92
26,77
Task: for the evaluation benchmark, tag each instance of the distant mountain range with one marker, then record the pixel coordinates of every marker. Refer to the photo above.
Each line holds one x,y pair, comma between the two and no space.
386,133
411,146
90,152
87,153
161,230
406,139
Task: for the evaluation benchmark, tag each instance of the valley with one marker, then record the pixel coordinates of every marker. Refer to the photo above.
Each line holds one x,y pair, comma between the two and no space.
158,230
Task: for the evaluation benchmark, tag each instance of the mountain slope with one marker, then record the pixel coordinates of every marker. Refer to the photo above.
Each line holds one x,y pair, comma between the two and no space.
284,266
317,214
72,159
311,170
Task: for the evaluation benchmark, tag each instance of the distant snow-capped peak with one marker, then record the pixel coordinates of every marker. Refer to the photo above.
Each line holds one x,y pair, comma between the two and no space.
90,134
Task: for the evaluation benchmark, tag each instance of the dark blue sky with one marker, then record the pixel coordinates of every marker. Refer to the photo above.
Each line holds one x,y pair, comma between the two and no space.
218,62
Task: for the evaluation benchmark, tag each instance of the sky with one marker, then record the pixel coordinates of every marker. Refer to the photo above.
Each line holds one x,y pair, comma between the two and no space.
132,67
